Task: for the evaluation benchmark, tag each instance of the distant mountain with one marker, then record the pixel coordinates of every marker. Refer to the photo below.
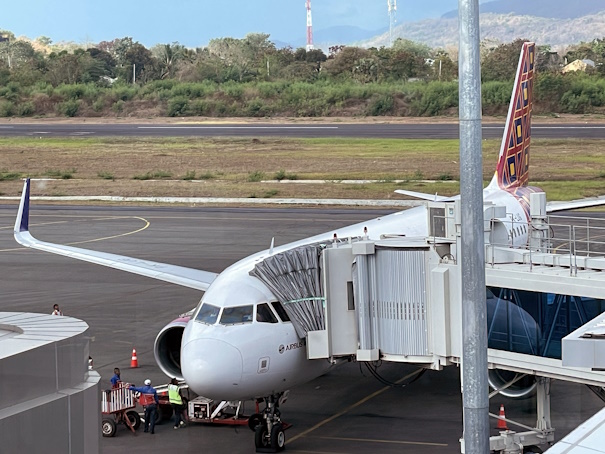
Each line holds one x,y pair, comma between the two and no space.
554,9
501,27
341,34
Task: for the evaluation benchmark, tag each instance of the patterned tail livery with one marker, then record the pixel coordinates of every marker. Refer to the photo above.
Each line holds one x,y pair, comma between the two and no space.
513,162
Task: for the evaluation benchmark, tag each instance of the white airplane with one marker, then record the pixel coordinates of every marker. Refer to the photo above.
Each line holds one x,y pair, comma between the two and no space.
239,342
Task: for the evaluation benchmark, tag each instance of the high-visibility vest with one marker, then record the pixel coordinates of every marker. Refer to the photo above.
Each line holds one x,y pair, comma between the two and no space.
174,396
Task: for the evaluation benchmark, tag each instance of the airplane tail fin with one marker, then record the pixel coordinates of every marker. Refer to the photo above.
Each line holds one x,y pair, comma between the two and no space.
513,162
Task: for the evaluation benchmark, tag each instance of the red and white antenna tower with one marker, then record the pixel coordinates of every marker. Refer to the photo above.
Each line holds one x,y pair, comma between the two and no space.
392,4
309,27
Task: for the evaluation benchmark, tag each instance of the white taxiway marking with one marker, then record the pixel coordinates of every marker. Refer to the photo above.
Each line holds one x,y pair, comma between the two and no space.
6,127
238,127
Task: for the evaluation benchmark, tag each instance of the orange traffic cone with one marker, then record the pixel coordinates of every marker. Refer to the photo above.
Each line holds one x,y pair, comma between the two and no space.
502,422
134,362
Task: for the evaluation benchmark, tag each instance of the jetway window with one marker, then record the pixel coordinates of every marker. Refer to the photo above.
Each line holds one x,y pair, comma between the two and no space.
533,322
437,217
235,315
208,314
264,314
350,296
280,311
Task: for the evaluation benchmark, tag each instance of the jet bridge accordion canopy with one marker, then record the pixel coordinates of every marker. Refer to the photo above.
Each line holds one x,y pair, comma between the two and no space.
294,278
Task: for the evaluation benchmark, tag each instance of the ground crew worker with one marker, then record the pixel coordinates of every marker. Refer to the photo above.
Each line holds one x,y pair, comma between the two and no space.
56,310
149,400
176,400
116,380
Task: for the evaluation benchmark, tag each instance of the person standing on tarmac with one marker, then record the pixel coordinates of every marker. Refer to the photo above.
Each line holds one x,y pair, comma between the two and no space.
149,400
116,380
176,400
56,310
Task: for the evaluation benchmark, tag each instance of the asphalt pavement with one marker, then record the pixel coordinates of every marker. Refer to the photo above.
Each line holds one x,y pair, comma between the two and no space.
437,130
344,411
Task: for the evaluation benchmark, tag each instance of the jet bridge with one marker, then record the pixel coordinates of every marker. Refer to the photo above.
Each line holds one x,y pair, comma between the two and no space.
399,299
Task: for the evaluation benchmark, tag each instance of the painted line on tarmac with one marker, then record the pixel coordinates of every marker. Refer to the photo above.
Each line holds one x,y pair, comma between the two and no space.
349,408
238,127
398,442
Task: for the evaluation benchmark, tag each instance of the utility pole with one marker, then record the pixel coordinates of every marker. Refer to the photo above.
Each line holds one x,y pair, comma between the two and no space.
309,28
475,398
392,5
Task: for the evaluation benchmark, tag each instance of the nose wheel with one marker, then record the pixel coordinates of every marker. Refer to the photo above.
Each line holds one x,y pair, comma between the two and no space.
269,430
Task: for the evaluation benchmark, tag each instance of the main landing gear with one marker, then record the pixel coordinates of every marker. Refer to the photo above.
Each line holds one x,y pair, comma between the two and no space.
269,435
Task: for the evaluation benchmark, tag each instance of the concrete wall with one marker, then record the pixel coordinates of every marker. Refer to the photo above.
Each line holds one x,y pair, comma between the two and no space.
49,401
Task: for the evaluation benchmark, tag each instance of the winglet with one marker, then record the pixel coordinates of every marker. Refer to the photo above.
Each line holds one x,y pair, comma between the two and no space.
22,221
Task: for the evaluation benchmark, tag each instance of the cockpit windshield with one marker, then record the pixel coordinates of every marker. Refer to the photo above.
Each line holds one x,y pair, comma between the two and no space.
234,315
264,314
208,314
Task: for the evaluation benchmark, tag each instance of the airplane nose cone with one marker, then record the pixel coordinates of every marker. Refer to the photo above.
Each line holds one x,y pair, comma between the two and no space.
212,368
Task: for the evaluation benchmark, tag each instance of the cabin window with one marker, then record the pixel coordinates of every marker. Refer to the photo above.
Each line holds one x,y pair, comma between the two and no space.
264,314
234,315
208,314
280,311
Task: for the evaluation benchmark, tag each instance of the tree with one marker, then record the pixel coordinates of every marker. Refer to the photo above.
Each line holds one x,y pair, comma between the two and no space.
345,60
501,62
168,57
138,62
246,56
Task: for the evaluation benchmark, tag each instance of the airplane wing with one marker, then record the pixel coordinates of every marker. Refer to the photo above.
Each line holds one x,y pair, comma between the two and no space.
424,196
574,204
187,277
587,438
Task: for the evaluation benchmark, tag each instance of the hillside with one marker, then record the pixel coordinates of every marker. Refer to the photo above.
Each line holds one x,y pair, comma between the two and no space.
500,27
554,9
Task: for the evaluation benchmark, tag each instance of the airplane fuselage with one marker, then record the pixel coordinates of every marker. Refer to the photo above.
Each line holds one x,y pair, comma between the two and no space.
251,358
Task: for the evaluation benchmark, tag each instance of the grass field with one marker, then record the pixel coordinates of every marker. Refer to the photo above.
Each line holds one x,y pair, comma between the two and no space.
229,167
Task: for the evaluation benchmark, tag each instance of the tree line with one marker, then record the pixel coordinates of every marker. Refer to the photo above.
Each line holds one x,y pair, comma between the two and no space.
252,77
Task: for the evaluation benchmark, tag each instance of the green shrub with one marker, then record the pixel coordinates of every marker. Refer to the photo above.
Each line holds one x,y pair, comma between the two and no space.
206,176
158,174
106,175
190,175
233,89
6,175
63,174
283,175
68,108
26,109
98,105
256,176
118,106
382,105
178,106
200,107
257,108
496,94
435,98
7,109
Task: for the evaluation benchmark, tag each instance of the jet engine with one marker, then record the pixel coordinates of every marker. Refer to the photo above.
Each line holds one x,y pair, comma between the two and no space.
524,387
167,347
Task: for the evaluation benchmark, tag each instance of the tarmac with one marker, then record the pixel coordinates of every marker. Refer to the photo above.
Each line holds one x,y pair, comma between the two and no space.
344,411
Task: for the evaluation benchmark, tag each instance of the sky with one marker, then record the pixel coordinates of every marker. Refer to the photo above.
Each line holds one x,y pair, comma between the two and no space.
194,22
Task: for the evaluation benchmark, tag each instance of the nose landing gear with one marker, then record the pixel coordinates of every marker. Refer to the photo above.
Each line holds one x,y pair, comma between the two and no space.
269,435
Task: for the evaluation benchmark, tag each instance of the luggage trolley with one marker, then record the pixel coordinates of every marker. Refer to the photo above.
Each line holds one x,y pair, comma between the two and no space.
119,402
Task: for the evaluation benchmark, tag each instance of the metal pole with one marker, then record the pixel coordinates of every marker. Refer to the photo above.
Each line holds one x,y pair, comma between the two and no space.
474,310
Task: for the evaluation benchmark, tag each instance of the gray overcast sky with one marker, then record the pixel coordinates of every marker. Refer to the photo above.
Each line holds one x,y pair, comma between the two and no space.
194,22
